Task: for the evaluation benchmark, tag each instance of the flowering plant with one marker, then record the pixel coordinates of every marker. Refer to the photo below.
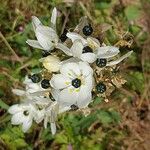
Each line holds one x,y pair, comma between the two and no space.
76,68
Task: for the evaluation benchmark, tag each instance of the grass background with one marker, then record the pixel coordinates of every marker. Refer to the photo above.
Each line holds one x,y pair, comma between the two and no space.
121,124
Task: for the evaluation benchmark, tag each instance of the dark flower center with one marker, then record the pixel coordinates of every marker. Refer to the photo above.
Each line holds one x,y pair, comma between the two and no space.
63,36
76,83
101,62
35,78
26,113
45,53
87,49
74,107
101,87
87,30
45,84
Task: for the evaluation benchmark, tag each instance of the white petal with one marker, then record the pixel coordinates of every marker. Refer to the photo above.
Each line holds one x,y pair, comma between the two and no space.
55,93
119,59
45,122
14,109
34,44
88,83
107,51
35,22
64,108
84,98
70,60
88,57
18,92
64,48
77,48
75,36
17,118
54,16
70,70
85,69
46,36
59,81
39,115
68,95
53,128
26,125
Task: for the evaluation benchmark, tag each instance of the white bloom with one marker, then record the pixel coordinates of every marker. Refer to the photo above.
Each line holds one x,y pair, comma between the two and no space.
89,49
51,113
51,63
47,38
30,88
22,114
74,84
115,62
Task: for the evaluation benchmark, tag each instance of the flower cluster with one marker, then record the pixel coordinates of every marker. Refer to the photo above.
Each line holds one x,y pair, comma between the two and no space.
76,68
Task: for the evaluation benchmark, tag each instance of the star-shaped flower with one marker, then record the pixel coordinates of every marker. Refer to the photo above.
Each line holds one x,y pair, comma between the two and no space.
47,38
22,114
89,49
74,84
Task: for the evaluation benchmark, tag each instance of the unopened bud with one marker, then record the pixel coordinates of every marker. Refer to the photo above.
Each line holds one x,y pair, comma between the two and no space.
51,63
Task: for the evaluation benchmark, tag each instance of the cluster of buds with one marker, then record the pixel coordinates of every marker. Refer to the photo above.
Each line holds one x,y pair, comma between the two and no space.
76,68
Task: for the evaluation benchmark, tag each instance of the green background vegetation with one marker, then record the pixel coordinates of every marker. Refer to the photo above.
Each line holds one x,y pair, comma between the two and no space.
121,124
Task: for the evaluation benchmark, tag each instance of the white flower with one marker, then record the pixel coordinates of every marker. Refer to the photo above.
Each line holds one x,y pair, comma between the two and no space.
30,88
74,84
51,63
89,49
47,38
115,62
51,113
22,114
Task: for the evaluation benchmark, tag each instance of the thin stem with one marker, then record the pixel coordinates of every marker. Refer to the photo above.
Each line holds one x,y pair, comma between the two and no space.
9,47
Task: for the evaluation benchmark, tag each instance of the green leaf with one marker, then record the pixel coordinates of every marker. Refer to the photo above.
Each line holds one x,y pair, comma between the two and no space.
132,12
3,105
104,117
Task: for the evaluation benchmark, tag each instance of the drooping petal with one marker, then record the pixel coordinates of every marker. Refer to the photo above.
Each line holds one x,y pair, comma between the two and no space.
34,44
75,36
46,37
45,122
77,48
64,48
35,22
88,57
39,115
85,69
70,70
54,17
18,92
53,128
59,81
69,96
15,109
107,51
119,59
26,125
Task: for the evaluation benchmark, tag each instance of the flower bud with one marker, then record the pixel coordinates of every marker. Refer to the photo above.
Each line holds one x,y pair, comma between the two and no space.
51,63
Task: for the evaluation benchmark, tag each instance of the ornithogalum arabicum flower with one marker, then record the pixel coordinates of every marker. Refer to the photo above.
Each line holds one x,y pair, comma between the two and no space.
68,80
